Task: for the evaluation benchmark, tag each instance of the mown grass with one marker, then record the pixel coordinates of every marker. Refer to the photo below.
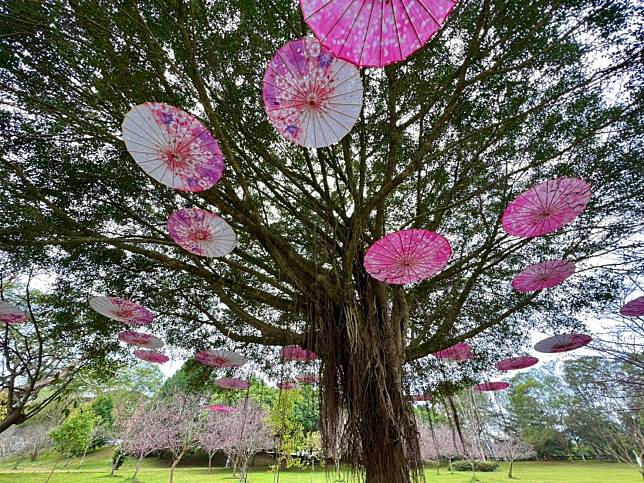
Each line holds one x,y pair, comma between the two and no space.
96,468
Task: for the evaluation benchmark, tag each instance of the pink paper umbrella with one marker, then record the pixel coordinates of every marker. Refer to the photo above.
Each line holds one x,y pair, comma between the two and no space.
546,207
122,310
220,358
562,343
422,397
140,339
457,353
201,232
375,33
307,378
407,256
151,356
11,314
516,363
312,98
491,386
173,147
220,408
232,383
634,308
298,354
543,275
287,386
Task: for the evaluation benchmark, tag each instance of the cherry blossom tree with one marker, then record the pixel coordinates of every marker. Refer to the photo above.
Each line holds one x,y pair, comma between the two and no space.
511,448
211,435
141,434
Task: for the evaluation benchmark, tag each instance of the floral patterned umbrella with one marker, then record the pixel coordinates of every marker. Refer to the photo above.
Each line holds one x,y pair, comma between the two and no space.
220,408
491,386
173,147
312,98
375,33
11,314
122,310
634,308
407,256
287,386
140,339
298,354
562,343
543,275
546,207
307,378
201,232
151,356
421,397
220,358
233,383
516,363
457,353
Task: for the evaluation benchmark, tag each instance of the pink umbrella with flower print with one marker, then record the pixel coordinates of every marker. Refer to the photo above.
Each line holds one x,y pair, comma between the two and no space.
543,275
546,207
173,147
562,343
491,386
312,98
11,314
634,308
307,378
122,310
140,339
233,383
220,358
287,386
422,397
151,356
516,363
458,352
220,408
201,232
297,353
407,256
375,33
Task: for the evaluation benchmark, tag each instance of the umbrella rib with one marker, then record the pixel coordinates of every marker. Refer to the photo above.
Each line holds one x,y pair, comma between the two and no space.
393,12
413,25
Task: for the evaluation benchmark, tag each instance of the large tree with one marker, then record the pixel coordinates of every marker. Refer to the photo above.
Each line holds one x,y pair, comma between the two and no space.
506,95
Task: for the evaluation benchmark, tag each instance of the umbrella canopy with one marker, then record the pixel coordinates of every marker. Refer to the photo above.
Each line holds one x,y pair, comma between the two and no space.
122,310
220,358
11,314
297,353
543,275
287,386
421,397
307,378
491,386
516,363
173,147
407,256
546,207
233,383
375,33
201,232
220,408
562,343
458,352
151,356
140,339
311,97
634,308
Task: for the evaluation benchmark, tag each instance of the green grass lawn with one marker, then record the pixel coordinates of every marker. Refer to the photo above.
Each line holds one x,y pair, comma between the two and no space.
96,468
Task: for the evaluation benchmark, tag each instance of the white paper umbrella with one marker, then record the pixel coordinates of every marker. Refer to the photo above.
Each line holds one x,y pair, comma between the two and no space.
201,232
220,358
173,147
122,310
312,98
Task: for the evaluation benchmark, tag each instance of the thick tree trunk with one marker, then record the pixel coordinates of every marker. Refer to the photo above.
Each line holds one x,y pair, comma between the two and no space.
362,367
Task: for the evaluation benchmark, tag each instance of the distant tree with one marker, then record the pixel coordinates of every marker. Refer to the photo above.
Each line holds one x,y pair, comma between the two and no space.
439,442
74,436
142,434
511,448
211,436
288,428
